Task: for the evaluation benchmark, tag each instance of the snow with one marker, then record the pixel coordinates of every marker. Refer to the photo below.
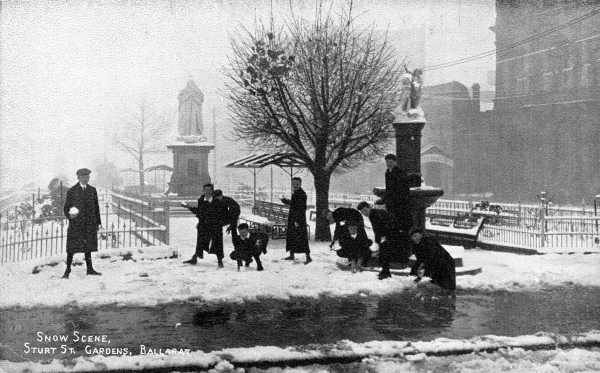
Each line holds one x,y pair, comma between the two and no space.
380,355
153,277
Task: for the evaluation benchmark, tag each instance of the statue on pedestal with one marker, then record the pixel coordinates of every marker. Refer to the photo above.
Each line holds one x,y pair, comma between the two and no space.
190,124
409,109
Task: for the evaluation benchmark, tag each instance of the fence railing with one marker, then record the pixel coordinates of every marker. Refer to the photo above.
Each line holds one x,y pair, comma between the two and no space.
125,223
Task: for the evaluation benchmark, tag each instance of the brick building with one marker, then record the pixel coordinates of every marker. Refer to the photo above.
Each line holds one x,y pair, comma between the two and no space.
546,111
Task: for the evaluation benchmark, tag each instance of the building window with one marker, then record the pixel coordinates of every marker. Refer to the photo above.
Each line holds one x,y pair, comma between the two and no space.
193,167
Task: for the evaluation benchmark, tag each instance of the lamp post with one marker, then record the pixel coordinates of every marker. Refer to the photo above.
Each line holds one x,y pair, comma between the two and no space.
544,202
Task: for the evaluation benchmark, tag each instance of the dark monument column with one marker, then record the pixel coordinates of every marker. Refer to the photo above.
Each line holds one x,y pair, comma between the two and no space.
408,146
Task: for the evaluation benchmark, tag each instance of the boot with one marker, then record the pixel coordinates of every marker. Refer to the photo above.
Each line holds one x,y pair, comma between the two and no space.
90,268
384,274
67,273
193,260
291,257
220,265
308,259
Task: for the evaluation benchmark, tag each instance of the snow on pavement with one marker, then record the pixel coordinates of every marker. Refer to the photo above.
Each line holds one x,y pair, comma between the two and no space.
503,353
150,276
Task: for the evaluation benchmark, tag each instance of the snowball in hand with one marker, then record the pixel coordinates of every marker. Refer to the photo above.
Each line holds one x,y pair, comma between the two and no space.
73,211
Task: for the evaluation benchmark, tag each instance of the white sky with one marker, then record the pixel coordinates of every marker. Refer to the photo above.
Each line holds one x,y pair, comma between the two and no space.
72,71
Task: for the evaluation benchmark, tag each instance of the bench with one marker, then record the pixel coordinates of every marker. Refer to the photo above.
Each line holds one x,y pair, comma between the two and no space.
270,218
275,212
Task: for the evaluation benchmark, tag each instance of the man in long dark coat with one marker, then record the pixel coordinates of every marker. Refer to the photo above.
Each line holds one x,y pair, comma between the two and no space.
211,214
232,214
249,245
397,189
296,238
392,246
82,209
433,261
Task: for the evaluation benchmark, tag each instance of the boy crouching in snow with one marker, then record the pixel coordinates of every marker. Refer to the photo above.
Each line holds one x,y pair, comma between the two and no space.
355,246
247,245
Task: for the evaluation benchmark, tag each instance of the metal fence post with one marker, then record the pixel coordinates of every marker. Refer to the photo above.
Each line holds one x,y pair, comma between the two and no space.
166,222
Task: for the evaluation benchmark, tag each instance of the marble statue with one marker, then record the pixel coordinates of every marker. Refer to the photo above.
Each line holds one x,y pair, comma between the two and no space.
190,126
409,108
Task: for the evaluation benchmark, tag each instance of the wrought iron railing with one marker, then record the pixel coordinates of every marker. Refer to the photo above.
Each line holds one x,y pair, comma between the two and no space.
126,222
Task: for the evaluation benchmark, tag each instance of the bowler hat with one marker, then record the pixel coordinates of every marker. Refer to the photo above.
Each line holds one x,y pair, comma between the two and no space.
83,172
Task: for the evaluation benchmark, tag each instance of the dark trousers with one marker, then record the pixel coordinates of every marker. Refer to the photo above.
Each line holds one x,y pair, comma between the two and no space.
88,261
395,249
403,215
256,258
211,242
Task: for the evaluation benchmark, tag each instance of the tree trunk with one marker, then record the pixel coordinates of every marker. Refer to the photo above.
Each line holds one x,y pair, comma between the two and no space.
322,180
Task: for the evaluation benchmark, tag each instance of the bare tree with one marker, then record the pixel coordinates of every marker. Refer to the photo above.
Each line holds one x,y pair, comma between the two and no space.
144,133
323,90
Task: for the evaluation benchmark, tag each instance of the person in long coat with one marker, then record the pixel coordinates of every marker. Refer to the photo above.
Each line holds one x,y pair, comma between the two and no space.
392,246
249,245
83,212
397,189
296,238
211,214
433,261
232,214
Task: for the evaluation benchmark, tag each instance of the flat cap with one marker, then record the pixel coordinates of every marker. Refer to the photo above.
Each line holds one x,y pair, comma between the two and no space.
83,172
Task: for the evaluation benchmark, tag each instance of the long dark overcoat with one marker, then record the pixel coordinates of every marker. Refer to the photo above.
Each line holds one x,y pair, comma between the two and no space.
82,234
397,189
296,238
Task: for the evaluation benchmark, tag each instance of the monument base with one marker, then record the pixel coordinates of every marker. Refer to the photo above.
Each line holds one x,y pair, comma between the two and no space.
190,168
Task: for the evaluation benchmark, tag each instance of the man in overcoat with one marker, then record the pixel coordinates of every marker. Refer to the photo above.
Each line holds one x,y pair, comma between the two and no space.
211,213
433,260
296,238
397,189
392,246
83,212
232,214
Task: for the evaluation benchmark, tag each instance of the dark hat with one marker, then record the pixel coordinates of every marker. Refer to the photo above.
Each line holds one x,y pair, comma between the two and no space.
83,172
217,193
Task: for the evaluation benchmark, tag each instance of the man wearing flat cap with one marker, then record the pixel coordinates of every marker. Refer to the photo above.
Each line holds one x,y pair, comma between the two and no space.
82,210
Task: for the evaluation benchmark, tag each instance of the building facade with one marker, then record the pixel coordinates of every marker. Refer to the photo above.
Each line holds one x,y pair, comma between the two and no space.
547,112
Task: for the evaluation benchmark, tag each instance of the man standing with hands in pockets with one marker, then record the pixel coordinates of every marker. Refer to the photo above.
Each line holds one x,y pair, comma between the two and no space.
82,209
296,237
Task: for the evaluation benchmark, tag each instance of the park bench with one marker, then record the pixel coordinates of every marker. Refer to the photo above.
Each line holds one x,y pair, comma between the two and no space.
270,218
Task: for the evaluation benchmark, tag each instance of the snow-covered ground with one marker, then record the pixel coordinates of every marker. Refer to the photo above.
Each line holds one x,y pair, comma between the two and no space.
154,277
510,360
503,354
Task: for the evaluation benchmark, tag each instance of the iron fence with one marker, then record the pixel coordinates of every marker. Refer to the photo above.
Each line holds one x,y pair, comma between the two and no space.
125,223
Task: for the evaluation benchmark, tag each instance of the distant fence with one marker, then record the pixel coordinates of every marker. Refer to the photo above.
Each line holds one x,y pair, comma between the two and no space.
126,222
535,227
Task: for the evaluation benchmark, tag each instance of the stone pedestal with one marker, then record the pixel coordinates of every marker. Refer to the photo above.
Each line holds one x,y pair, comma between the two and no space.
408,152
190,167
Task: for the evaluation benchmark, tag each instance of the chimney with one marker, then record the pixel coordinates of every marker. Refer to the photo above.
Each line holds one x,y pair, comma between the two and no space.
476,97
